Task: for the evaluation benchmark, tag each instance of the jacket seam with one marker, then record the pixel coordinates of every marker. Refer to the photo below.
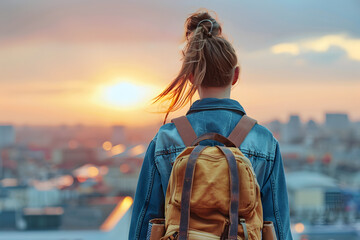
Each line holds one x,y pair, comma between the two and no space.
167,152
254,153
276,209
146,205
258,154
249,152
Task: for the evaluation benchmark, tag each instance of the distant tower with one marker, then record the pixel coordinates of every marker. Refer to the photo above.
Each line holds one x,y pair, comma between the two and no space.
7,135
336,120
311,127
294,130
118,135
312,130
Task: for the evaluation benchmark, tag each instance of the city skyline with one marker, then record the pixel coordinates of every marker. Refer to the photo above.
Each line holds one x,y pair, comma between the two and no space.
284,120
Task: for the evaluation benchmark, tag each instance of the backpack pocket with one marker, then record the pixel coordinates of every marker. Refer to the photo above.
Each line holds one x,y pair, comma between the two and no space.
211,183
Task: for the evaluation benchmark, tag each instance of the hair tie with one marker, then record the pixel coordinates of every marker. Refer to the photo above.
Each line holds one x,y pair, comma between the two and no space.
212,25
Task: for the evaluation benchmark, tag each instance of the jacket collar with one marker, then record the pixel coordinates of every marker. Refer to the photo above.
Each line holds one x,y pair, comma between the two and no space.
216,103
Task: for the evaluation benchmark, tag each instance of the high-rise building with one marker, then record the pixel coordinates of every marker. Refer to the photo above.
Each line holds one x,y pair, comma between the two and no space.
336,120
293,132
311,127
7,135
71,158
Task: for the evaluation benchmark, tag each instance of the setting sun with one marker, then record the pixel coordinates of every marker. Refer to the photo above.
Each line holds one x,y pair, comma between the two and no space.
126,94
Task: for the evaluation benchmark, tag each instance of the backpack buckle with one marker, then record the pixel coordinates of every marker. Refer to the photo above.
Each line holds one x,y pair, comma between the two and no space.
173,236
243,224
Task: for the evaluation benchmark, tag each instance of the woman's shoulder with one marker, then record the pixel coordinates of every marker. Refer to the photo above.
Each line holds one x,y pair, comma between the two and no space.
168,140
263,132
261,142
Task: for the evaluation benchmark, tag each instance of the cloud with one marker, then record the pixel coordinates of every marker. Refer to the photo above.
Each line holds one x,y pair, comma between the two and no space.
251,24
290,48
351,46
321,45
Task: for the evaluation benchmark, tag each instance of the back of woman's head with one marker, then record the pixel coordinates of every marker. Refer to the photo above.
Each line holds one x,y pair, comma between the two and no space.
209,60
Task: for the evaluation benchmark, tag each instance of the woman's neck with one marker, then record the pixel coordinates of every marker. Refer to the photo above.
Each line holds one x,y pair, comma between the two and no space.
214,92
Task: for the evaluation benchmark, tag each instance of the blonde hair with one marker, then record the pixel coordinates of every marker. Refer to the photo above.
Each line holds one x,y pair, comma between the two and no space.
207,57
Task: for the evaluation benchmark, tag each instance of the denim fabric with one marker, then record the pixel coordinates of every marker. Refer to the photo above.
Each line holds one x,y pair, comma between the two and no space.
220,116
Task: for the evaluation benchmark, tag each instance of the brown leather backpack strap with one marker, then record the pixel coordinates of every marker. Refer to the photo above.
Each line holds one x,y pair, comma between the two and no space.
186,192
234,193
214,136
185,130
241,130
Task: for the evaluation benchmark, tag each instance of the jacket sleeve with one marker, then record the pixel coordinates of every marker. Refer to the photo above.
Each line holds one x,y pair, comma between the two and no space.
275,199
149,198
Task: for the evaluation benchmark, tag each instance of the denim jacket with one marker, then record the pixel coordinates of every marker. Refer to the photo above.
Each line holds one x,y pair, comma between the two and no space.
220,116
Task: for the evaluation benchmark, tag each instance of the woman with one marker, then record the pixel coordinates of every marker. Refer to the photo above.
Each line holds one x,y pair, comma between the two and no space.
210,68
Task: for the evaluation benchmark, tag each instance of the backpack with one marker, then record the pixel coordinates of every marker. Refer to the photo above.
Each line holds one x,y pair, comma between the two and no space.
212,191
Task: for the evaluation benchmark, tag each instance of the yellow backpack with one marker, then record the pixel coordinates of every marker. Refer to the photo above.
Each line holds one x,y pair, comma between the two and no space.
212,191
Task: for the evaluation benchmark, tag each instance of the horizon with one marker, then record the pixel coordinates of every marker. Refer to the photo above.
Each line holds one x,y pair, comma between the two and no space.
302,121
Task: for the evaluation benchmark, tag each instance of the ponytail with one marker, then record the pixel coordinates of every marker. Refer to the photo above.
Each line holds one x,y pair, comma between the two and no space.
208,59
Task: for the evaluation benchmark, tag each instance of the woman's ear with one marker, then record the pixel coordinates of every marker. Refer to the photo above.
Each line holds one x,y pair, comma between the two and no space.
236,75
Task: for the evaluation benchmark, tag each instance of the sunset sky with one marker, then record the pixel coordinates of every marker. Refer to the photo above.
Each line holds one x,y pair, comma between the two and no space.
100,62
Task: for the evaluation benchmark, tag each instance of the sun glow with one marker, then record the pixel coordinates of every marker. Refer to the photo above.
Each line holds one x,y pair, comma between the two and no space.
116,215
126,94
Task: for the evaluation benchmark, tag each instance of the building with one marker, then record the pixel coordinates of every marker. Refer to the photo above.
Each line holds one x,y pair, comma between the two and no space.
312,194
336,120
72,158
293,131
7,135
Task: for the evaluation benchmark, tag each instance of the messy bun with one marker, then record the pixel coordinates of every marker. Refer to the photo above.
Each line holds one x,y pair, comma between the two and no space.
193,21
208,58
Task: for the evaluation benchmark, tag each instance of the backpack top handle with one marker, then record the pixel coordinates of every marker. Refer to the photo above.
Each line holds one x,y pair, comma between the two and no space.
214,136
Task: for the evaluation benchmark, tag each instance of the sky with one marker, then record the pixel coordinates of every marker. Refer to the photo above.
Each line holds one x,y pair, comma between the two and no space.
101,62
